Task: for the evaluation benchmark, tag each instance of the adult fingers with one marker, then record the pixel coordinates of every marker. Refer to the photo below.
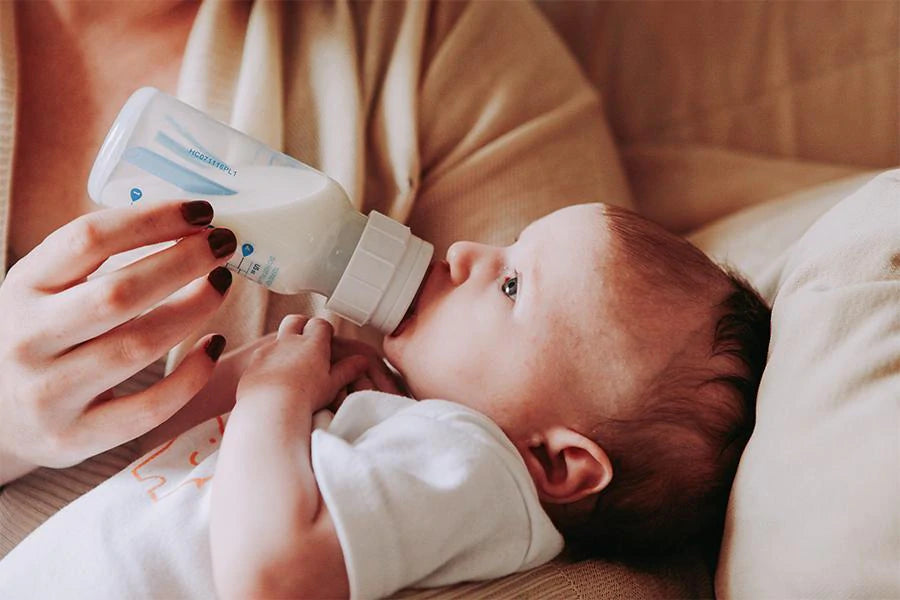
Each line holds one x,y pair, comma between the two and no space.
130,347
108,424
292,325
93,307
78,248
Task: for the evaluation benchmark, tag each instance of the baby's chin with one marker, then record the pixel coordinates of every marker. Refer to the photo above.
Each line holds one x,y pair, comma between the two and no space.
394,345
392,349
393,352
389,348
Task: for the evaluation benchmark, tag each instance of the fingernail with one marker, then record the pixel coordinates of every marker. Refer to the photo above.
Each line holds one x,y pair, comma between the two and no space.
222,242
197,212
214,347
220,278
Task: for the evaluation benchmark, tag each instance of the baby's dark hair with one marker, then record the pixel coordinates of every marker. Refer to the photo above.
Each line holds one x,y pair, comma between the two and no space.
675,453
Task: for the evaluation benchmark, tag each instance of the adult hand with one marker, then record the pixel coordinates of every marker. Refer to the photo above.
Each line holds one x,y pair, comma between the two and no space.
66,340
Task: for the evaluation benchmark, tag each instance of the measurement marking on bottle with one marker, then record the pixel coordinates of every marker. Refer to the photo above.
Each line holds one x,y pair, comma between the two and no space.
246,250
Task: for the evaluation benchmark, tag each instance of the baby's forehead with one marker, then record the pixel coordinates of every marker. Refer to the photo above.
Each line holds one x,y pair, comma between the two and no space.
592,234
594,259
623,298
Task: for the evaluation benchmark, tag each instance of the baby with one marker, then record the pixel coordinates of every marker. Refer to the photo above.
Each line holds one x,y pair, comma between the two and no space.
594,382
619,360
620,364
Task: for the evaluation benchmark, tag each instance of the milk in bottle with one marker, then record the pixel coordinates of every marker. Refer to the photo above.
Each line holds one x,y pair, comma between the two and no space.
296,228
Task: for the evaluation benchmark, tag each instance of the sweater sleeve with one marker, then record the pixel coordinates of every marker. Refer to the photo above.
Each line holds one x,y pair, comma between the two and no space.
434,494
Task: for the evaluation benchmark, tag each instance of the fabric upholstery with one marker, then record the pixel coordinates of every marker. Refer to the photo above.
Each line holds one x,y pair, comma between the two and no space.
815,81
758,239
814,508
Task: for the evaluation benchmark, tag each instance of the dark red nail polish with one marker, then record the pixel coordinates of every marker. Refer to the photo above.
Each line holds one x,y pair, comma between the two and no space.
214,346
197,212
222,242
220,278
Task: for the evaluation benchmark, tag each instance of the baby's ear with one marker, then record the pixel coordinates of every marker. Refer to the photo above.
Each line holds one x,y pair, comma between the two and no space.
566,466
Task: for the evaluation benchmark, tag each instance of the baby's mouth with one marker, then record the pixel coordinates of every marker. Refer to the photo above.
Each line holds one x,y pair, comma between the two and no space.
410,312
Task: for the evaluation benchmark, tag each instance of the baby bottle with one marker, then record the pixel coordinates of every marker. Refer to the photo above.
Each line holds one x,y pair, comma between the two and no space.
296,228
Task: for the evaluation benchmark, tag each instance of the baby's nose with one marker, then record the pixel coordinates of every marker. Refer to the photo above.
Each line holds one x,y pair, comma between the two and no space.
460,256
454,251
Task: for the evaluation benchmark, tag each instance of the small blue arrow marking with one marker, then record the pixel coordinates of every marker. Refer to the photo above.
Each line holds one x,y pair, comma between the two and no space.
136,194
247,249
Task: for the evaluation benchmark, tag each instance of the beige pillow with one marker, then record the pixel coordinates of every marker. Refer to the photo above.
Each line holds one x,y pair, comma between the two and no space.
756,240
815,508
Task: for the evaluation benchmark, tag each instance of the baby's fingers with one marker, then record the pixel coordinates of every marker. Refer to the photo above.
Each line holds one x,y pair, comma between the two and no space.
292,325
348,370
378,375
342,347
382,379
319,330
363,383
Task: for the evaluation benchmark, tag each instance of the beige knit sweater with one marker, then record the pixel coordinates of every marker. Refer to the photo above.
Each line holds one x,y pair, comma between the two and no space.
464,120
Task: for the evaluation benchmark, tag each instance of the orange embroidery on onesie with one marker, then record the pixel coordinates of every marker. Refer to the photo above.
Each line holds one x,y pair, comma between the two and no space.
173,459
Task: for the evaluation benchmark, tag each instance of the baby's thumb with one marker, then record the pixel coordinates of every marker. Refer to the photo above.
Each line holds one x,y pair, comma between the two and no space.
348,370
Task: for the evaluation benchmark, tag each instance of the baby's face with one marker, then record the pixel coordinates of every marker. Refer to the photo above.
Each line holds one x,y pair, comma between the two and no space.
504,330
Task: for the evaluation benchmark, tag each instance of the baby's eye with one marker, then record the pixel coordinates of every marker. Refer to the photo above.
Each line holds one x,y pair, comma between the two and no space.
510,286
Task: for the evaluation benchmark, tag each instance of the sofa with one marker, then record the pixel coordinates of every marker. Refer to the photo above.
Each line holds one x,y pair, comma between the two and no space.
766,134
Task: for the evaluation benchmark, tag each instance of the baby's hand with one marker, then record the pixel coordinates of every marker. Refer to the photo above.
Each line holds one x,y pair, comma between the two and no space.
378,376
297,368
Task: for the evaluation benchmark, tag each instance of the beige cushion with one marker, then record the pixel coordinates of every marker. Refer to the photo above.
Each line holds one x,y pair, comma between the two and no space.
812,80
756,240
683,576
815,508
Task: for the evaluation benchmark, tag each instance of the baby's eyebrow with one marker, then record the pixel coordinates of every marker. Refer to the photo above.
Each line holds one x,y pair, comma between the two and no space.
531,271
522,233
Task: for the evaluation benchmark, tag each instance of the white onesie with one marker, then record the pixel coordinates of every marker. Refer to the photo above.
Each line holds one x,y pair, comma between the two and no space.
421,493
